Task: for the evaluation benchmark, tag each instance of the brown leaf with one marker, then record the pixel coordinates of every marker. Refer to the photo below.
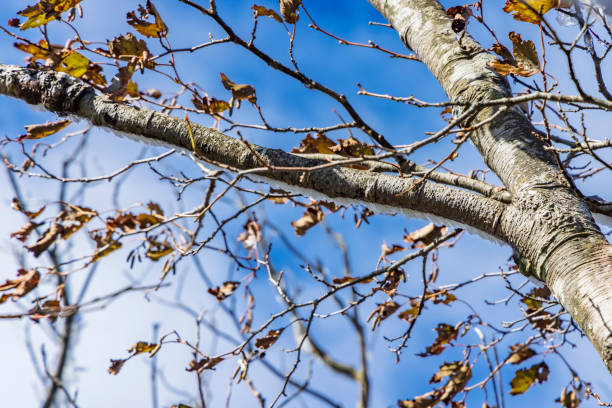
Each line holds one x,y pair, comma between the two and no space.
240,92
144,347
269,339
157,29
44,130
115,366
158,249
443,296
23,233
426,235
529,11
342,280
25,282
45,11
446,334
262,11
460,16
128,48
524,62
351,147
251,235
520,353
46,239
410,314
569,398
526,377
210,106
318,144
226,290
383,311
207,363
289,10
392,281
312,216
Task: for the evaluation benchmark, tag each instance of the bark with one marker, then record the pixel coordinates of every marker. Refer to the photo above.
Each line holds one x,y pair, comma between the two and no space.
549,227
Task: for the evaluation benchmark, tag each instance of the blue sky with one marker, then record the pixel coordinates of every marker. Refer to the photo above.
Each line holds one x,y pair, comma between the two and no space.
109,332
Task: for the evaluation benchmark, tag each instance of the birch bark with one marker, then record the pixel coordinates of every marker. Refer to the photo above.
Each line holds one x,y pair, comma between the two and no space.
549,227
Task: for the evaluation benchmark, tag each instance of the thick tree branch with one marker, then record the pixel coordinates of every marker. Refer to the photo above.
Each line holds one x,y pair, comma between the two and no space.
550,228
66,95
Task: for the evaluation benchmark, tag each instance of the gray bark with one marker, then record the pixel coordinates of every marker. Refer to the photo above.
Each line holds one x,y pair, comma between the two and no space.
549,227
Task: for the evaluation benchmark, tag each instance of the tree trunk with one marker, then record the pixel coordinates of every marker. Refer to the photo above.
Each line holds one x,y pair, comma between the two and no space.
550,228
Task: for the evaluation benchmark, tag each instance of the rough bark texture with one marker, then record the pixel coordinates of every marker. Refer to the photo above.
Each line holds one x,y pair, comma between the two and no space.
551,229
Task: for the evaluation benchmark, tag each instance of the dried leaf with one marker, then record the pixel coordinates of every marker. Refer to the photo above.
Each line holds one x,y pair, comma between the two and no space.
410,314
526,377
46,239
289,10
262,11
226,290
240,92
351,147
158,249
45,11
144,347
269,339
520,353
129,48
529,11
569,398
106,249
383,311
23,233
210,106
318,144
157,29
312,216
251,235
25,282
115,366
524,62
446,334
460,16
343,280
426,235
207,363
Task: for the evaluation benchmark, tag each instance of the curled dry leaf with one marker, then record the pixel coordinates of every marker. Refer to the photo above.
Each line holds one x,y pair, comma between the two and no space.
210,106
520,353
157,29
383,311
251,235
446,334
312,216
25,282
23,233
269,339
45,11
145,347
225,290
526,377
158,249
128,48
262,11
426,235
318,144
240,92
207,363
289,10
460,16
530,11
44,130
115,366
